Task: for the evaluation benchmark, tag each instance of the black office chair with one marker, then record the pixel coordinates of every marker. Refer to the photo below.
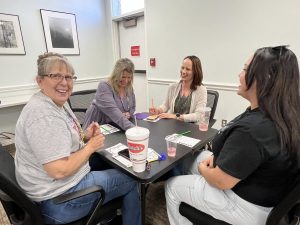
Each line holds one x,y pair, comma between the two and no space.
212,102
287,212
22,211
79,102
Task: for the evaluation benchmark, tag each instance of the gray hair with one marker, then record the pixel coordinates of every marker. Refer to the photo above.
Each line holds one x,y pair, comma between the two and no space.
47,60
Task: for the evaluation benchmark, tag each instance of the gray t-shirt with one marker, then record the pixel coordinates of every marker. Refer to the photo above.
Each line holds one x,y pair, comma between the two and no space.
45,132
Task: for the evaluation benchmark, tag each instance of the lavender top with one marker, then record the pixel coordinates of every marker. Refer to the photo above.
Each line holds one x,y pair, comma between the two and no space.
108,107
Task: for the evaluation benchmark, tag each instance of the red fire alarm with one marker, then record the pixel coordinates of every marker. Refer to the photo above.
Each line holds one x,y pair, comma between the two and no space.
152,62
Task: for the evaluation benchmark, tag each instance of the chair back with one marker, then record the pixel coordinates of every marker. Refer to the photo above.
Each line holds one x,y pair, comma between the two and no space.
288,209
18,207
212,102
79,102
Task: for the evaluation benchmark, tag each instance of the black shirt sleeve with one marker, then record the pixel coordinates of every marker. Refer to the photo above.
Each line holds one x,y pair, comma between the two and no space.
240,155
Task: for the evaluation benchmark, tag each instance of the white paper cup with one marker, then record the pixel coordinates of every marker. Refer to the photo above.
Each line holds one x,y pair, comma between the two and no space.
137,141
204,118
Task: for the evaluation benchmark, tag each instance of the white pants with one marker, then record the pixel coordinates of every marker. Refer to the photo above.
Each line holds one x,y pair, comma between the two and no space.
221,204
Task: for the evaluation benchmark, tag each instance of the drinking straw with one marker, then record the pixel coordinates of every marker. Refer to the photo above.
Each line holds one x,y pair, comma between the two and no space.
135,120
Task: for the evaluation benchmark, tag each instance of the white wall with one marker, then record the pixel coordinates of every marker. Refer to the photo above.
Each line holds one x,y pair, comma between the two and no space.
222,33
18,71
95,57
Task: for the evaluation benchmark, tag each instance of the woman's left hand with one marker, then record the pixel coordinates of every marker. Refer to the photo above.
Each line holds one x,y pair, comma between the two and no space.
126,115
92,130
167,116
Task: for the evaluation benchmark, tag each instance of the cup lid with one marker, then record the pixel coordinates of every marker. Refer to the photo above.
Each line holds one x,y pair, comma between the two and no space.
137,133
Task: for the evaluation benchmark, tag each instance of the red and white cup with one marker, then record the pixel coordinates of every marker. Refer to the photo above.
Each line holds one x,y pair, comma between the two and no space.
137,141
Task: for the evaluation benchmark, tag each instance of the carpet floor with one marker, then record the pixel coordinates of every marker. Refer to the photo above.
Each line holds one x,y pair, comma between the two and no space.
3,218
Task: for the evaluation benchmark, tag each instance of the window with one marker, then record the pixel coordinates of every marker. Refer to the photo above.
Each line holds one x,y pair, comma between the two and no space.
121,7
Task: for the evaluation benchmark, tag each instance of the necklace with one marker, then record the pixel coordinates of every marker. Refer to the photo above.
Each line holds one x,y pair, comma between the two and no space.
182,104
126,105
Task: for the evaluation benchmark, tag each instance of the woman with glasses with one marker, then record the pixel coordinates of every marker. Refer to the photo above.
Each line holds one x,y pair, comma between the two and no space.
186,98
255,158
114,102
52,152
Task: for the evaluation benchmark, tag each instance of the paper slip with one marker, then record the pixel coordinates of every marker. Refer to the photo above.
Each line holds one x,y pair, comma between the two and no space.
155,120
108,129
187,141
122,160
152,155
116,148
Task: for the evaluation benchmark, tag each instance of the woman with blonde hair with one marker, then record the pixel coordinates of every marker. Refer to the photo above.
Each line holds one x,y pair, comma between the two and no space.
114,102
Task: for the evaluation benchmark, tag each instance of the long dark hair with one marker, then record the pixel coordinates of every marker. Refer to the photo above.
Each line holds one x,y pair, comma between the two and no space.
197,71
276,72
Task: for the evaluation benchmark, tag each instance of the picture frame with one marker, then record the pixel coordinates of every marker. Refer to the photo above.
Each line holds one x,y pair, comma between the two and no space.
60,30
11,39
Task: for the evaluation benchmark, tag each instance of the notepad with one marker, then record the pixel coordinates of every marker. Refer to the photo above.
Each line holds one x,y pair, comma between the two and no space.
114,150
123,160
184,140
108,129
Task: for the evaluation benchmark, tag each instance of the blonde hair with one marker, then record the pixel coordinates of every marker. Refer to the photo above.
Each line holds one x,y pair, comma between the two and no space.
123,64
46,61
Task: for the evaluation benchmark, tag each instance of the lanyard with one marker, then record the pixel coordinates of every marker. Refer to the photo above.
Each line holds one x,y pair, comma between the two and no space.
126,109
78,127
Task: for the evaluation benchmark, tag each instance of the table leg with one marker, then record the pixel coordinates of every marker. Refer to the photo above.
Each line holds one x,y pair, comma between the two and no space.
143,203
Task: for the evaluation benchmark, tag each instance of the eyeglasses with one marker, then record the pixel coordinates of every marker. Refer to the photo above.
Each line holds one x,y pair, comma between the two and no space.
59,77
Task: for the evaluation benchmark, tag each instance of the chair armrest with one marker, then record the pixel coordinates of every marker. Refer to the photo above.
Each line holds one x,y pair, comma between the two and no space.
79,109
198,217
5,197
70,196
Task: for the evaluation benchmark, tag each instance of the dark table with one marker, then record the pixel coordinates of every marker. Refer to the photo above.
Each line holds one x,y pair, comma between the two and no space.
158,131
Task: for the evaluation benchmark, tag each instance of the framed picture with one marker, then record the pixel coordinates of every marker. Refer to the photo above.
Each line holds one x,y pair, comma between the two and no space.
11,39
60,32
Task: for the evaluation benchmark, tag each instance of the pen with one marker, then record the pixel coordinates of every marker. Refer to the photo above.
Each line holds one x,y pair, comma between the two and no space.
184,133
152,103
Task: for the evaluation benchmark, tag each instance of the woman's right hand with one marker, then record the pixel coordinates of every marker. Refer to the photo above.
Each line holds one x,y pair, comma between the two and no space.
154,111
96,142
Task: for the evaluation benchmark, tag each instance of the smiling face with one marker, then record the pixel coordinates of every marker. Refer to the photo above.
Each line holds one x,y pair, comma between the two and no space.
186,70
125,79
58,91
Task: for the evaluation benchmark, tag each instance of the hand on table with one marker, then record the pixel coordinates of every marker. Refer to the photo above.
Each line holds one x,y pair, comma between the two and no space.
154,111
167,116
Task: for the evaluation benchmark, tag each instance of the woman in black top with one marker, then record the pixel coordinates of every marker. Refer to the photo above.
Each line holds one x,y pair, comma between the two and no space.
255,157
